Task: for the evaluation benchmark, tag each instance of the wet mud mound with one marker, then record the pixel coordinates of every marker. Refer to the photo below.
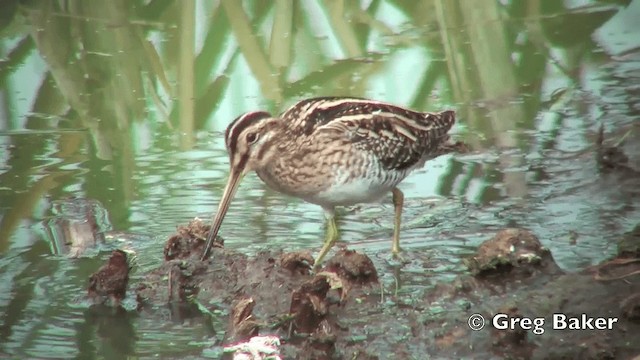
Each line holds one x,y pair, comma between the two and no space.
525,306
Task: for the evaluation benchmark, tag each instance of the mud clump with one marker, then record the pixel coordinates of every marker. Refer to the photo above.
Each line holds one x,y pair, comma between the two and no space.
189,242
352,268
182,267
310,302
297,262
348,269
183,282
309,305
243,324
512,252
111,280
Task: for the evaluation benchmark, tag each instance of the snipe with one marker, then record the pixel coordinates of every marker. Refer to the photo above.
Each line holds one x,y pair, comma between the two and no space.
333,151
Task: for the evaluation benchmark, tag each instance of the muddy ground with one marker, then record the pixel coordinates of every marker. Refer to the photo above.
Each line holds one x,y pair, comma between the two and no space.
342,312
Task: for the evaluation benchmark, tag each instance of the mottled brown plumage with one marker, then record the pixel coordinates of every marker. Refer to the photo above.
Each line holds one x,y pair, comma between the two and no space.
111,279
333,151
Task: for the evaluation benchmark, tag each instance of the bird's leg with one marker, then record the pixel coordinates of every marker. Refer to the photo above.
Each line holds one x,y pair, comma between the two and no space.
398,201
331,237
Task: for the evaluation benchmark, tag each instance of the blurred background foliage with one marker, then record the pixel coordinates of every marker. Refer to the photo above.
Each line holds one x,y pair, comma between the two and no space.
108,64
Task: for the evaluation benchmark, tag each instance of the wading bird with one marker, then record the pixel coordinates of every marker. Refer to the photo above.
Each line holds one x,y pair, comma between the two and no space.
333,151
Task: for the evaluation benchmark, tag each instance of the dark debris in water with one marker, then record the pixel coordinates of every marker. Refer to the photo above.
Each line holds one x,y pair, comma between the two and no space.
629,245
612,157
111,280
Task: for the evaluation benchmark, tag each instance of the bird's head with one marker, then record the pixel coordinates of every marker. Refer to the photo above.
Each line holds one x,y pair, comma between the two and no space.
250,143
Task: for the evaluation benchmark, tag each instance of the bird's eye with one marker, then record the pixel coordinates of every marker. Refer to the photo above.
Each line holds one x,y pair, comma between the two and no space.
252,137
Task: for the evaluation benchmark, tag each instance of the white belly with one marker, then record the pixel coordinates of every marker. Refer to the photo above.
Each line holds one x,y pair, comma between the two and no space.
339,186
345,191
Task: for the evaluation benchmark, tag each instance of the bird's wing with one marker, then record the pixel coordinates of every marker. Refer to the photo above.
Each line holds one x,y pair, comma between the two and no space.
399,138
308,115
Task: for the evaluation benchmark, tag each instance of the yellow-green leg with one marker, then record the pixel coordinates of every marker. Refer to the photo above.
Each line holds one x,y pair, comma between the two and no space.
398,201
331,237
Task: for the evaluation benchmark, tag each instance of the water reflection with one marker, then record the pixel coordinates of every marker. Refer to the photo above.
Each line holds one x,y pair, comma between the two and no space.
123,103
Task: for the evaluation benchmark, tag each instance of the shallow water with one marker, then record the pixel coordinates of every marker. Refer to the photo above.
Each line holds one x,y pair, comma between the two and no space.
529,86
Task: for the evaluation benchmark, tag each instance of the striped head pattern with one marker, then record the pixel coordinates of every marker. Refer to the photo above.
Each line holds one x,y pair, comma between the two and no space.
247,140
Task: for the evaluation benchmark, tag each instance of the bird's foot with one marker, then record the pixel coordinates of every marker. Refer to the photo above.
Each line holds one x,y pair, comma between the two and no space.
397,258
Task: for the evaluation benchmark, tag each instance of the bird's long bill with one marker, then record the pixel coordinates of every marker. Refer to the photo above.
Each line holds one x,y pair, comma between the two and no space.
235,177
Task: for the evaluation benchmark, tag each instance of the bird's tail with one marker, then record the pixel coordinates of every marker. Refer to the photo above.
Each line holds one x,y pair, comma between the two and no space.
443,122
